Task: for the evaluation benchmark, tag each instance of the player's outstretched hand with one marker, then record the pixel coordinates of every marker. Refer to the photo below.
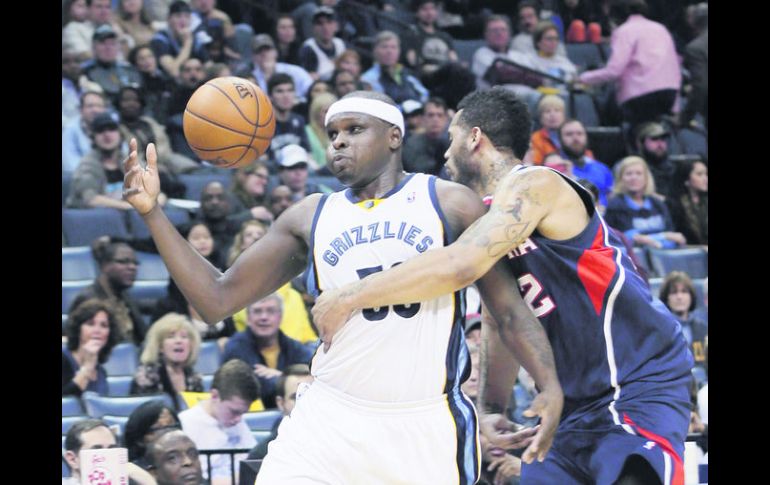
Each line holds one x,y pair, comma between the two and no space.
141,186
505,434
548,406
329,315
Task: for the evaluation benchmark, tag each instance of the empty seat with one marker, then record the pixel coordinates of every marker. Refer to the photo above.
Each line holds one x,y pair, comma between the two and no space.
118,386
583,108
607,143
693,261
66,182
149,290
327,184
700,375
466,48
68,421
70,406
194,183
585,56
655,284
692,142
140,230
207,380
152,267
118,422
641,256
123,360
262,420
69,290
82,226
77,263
98,406
209,357
700,291
260,436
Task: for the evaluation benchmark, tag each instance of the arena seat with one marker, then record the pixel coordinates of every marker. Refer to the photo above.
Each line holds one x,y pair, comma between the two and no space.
693,261
149,290
152,267
71,406
607,143
98,406
123,360
466,48
119,386
69,290
119,421
139,229
194,183
82,226
641,256
261,436
77,263
262,420
209,357
207,380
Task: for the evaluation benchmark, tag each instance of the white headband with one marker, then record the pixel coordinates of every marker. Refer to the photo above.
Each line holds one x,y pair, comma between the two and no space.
372,107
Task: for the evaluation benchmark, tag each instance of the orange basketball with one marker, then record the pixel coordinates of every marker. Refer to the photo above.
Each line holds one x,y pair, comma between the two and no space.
229,122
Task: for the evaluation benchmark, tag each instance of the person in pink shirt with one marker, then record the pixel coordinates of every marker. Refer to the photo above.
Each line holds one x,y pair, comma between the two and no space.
644,64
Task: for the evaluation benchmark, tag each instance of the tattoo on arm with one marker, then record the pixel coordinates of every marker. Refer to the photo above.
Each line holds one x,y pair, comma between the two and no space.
496,233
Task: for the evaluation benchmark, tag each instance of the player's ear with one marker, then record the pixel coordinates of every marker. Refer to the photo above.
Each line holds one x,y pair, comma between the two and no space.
396,138
474,138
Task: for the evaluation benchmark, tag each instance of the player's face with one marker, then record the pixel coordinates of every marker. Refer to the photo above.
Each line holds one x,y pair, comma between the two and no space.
458,156
201,240
679,299
498,35
264,317
97,328
176,460
552,117
359,150
176,347
387,52
290,394
699,177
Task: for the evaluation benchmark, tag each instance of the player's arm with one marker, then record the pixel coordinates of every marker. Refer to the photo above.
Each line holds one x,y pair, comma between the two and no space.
498,367
262,268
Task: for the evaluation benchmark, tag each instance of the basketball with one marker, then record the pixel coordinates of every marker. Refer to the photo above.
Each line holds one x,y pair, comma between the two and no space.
229,122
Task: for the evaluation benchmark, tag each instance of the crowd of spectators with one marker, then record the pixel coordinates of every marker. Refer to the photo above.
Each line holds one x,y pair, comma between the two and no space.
130,66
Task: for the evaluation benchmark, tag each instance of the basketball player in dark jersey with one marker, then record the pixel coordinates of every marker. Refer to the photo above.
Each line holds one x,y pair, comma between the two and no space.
622,359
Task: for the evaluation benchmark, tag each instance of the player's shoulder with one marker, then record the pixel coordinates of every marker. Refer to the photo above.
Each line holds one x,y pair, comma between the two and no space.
460,205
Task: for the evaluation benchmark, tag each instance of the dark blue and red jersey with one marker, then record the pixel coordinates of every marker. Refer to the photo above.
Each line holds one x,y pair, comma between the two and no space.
611,341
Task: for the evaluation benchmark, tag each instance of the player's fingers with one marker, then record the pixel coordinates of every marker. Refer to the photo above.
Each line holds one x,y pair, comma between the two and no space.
152,157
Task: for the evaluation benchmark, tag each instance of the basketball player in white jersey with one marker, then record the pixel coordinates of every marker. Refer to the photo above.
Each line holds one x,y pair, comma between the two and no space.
385,406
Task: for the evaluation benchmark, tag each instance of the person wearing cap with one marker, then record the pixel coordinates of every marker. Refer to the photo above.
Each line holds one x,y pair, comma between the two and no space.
77,36
106,69
652,145
98,180
289,126
428,48
179,41
293,163
413,116
76,138
264,63
219,26
424,152
390,77
318,52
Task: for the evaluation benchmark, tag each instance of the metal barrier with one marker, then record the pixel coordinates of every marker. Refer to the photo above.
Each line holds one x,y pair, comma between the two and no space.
229,451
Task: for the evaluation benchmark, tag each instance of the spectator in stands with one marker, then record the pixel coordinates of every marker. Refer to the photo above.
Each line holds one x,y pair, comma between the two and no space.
285,398
295,321
191,76
289,126
349,61
263,346
166,365
106,69
98,179
318,53
280,200
77,138
90,434
414,118
551,113
652,145
696,60
689,201
133,21
471,386
425,152
546,58
637,211
318,87
428,48
77,35
214,212
73,85
179,41
174,460
148,421
574,144
497,34
316,127
343,82
293,163
219,26
287,42
91,335
561,164
264,63
678,294
117,272
248,193
528,12
156,84
473,329
643,62
388,76
216,423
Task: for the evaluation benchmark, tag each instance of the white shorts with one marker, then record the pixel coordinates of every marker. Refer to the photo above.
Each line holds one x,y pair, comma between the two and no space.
331,438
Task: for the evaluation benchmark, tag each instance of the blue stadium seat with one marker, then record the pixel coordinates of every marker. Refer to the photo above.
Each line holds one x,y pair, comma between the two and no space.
98,406
140,230
209,357
466,48
195,182
693,142
66,182
119,421
149,290
152,267
655,284
207,380
82,226
260,436
68,421
123,360
119,386
700,290
262,420
78,264
70,406
641,256
582,108
69,290
63,323
700,375
585,56
693,261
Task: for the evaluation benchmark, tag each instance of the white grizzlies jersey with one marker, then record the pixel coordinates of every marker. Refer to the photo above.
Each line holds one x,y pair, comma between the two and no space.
398,353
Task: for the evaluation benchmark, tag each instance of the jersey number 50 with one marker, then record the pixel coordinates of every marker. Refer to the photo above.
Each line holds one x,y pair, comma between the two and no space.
374,314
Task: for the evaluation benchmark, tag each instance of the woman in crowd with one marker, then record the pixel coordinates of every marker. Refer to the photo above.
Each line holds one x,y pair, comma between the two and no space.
156,84
678,294
286,39
551,113
548,60
146,423
689,201
248,192
170,352
316,128
135,24
91,335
